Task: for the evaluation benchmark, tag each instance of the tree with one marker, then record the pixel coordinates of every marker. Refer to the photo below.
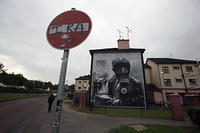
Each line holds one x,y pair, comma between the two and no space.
1,68
38,84
30,85
55,87
12,79
19,80
71,90
49,85
4,78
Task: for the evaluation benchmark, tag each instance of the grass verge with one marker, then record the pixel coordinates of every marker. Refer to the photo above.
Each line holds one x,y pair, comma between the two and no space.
67,98
144,113
153,129
8,97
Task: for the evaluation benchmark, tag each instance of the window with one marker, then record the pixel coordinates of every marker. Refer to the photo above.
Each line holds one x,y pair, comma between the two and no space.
188,68
79,82
167,82
85,81
165,69
178,80
79,88
192,81
176,67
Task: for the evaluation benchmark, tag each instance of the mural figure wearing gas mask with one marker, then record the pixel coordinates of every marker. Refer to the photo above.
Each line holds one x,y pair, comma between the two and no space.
121,89
124,89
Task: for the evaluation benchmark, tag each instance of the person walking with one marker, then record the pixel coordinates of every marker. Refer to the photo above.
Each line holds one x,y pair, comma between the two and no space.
50,101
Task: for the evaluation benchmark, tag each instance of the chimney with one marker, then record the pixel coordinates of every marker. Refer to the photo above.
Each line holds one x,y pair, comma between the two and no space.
123,44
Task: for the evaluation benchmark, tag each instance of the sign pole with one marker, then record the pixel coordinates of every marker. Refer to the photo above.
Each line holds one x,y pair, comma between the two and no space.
66,31
59,101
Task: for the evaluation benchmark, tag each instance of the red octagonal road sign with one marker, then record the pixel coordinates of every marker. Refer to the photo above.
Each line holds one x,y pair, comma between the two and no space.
69,29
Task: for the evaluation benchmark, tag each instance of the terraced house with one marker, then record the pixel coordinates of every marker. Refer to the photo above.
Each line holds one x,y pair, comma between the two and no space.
82,84
172,76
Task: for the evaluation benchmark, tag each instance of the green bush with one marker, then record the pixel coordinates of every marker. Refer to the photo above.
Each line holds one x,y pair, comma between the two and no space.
194,114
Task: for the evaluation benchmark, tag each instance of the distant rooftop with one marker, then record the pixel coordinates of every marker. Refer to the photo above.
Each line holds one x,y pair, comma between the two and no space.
86,77
171,61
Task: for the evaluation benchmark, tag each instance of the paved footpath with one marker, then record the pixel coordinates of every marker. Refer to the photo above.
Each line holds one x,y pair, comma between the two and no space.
76,122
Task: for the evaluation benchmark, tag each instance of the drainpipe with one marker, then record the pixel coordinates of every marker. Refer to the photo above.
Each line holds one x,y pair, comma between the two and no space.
186,90
161,84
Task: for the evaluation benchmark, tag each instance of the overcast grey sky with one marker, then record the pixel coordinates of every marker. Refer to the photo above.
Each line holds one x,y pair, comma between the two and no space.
165,28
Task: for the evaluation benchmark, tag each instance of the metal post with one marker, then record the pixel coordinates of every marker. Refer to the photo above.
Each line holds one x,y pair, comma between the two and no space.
59,101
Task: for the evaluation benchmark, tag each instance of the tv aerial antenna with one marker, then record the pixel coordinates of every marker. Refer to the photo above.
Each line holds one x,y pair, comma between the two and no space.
120,34
128,32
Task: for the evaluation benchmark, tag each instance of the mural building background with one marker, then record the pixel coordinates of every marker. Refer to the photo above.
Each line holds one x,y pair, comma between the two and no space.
118,80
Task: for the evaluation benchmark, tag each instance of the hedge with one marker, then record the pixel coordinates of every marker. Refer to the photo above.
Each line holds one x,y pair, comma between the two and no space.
194,114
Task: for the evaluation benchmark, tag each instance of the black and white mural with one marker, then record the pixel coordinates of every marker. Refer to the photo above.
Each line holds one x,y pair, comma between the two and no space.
118,80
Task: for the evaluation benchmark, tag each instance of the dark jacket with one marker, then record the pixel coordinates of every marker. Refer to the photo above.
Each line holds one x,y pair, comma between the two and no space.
51,99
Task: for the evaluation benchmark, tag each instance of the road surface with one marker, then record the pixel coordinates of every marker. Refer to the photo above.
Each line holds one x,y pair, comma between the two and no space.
30,116
25,116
